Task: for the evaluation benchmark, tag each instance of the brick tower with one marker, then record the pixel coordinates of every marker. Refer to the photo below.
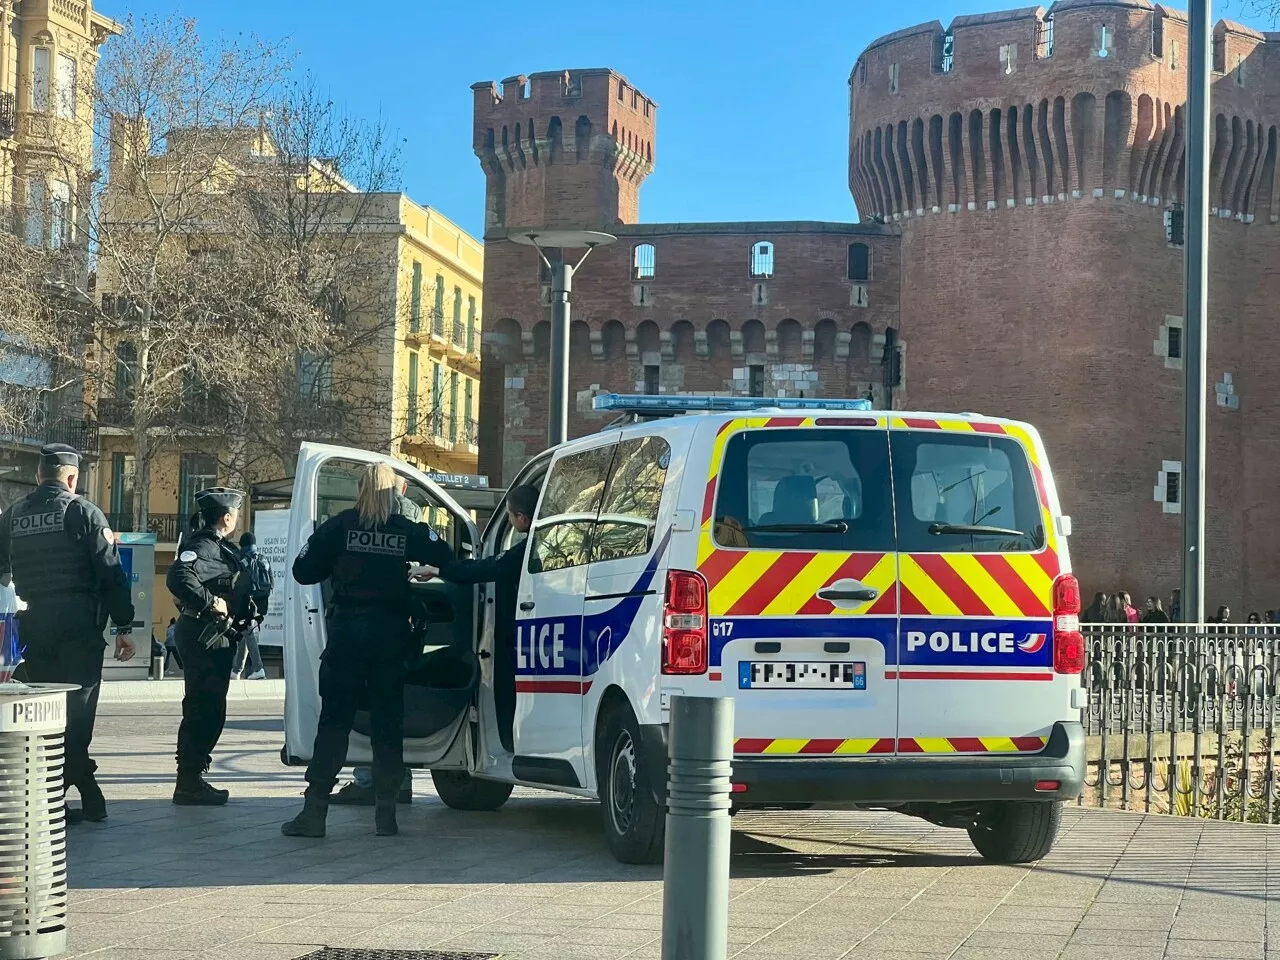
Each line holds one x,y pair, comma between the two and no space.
563,149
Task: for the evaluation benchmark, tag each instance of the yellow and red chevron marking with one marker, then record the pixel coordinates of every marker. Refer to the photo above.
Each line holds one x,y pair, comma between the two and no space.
882,745
746,583
1000,585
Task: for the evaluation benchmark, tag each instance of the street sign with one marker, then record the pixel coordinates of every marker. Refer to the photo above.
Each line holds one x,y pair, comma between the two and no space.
468,481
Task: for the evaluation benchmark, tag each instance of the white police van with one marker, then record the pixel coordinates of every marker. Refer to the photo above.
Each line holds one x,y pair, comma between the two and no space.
886,595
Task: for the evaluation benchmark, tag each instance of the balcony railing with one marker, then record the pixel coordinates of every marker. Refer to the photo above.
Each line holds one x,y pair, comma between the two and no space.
8,115
54,428
202,412
471,432
166,526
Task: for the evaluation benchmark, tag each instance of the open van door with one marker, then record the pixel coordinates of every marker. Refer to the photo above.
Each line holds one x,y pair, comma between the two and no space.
443,679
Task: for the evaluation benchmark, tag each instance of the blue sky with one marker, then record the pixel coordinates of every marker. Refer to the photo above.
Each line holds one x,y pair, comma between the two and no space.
753,119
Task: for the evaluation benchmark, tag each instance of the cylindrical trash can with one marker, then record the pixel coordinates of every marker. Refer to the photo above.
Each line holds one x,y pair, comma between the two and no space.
33,839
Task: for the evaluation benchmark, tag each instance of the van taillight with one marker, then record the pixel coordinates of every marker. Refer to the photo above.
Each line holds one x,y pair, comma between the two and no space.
1068,642
684,624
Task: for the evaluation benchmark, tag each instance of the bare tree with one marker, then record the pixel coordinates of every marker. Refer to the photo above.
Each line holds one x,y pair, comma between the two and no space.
245,250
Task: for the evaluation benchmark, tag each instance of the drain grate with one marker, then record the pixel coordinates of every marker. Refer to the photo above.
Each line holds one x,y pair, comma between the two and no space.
346,953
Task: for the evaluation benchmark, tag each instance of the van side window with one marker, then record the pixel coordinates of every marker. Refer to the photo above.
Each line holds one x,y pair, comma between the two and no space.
957,480
808,490
567,515
629,514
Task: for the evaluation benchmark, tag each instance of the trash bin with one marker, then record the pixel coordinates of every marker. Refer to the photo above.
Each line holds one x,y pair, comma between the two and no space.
33,839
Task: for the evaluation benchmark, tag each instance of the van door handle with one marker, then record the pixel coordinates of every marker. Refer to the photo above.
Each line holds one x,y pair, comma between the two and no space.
849,590
527,605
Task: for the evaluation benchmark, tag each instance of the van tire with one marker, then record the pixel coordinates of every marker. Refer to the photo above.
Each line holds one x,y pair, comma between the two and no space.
634,822
461,791
1018,831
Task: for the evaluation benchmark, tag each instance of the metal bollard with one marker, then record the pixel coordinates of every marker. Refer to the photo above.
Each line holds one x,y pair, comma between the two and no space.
157,668
695,887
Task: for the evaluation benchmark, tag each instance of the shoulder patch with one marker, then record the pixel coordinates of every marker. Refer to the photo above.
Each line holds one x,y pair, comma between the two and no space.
433,535
186,556
108,535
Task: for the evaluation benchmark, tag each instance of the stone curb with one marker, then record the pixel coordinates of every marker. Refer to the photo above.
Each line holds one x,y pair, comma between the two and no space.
170,691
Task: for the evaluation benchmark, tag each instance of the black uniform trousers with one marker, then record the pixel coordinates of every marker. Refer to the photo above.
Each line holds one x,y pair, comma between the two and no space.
362,666
206,675
64,645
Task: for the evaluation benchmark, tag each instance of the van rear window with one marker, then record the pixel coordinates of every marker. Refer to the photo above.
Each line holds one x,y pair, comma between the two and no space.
961,493
812,489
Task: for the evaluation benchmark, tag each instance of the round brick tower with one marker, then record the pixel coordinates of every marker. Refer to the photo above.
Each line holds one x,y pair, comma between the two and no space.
1033,161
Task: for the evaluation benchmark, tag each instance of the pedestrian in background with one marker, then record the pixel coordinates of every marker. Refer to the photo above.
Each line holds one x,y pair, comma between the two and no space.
59,553
364,553
1155,611
171,645
260,583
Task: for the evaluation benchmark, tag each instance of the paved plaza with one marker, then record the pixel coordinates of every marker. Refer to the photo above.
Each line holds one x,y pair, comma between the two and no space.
535,881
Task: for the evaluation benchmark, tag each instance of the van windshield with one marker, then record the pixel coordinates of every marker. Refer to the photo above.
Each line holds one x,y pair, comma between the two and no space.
811,489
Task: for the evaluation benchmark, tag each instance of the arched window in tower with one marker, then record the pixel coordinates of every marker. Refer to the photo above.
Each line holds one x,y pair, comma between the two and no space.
859,262
762,260
642,262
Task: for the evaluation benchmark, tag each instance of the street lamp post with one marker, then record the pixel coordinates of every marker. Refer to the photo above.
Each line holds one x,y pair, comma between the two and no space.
562,274
1196,319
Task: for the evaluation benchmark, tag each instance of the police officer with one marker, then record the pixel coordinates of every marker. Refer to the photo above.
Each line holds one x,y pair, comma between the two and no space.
208,584
62,558
364,553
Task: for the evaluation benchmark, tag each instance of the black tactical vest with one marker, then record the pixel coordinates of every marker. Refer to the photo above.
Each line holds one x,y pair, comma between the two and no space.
370,566
48,563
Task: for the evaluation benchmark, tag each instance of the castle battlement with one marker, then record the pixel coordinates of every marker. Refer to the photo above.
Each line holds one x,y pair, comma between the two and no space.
1083,99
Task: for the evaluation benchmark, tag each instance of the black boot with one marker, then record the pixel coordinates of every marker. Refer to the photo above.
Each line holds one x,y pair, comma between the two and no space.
191,790
93,805
310,822
384,819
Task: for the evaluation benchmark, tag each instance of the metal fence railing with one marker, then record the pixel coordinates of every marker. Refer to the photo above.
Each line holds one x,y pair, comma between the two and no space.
1182,718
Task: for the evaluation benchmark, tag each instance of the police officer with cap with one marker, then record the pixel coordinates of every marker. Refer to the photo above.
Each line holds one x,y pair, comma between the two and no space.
364,553
61,555
209,585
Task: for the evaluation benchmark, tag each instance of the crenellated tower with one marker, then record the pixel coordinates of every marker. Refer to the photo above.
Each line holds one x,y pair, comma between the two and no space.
563,148
1033,160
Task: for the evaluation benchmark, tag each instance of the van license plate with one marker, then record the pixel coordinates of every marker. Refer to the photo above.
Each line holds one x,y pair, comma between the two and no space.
814,675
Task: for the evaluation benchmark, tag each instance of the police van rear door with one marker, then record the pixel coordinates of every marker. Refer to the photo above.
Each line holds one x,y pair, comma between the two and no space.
440,690
977,558
799,554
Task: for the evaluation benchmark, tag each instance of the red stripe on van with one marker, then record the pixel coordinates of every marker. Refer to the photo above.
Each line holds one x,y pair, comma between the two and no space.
1028,601
752,745
771,583
920,424
709,499
988,428
1029,743
1048,560
821,746
908,603
717,566
784,421
952,584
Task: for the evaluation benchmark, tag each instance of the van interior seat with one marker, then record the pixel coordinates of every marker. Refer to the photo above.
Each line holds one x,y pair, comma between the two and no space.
795,500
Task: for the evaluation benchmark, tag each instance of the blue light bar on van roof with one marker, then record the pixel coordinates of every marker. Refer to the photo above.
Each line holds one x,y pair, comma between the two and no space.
675,403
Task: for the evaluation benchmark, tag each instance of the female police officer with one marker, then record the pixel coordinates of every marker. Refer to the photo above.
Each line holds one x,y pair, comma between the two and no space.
207,583
364,552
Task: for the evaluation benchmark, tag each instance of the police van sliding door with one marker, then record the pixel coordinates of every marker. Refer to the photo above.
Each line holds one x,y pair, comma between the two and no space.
975,671
550,677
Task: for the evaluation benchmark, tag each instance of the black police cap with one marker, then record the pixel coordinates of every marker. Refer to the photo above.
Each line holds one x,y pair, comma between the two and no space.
59,455
212,498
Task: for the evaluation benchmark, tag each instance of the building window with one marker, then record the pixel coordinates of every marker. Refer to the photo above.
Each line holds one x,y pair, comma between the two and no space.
1174,346
37,202
1173,55
622,91
755,380
1238,72
458,332
60,224
1044,38
893,78
859,262
66,101
1168,490
652,380
762,260
315,376
453,406
862,73
437,312
126,362
642,262
122,489
1175,225
196,471
40,71
468,400
437,400
415,299
1008,58
1104,36
471,324
411,406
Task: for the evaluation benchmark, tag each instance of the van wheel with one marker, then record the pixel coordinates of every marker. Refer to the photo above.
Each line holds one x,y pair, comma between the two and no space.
1018,831
461,791
634,824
